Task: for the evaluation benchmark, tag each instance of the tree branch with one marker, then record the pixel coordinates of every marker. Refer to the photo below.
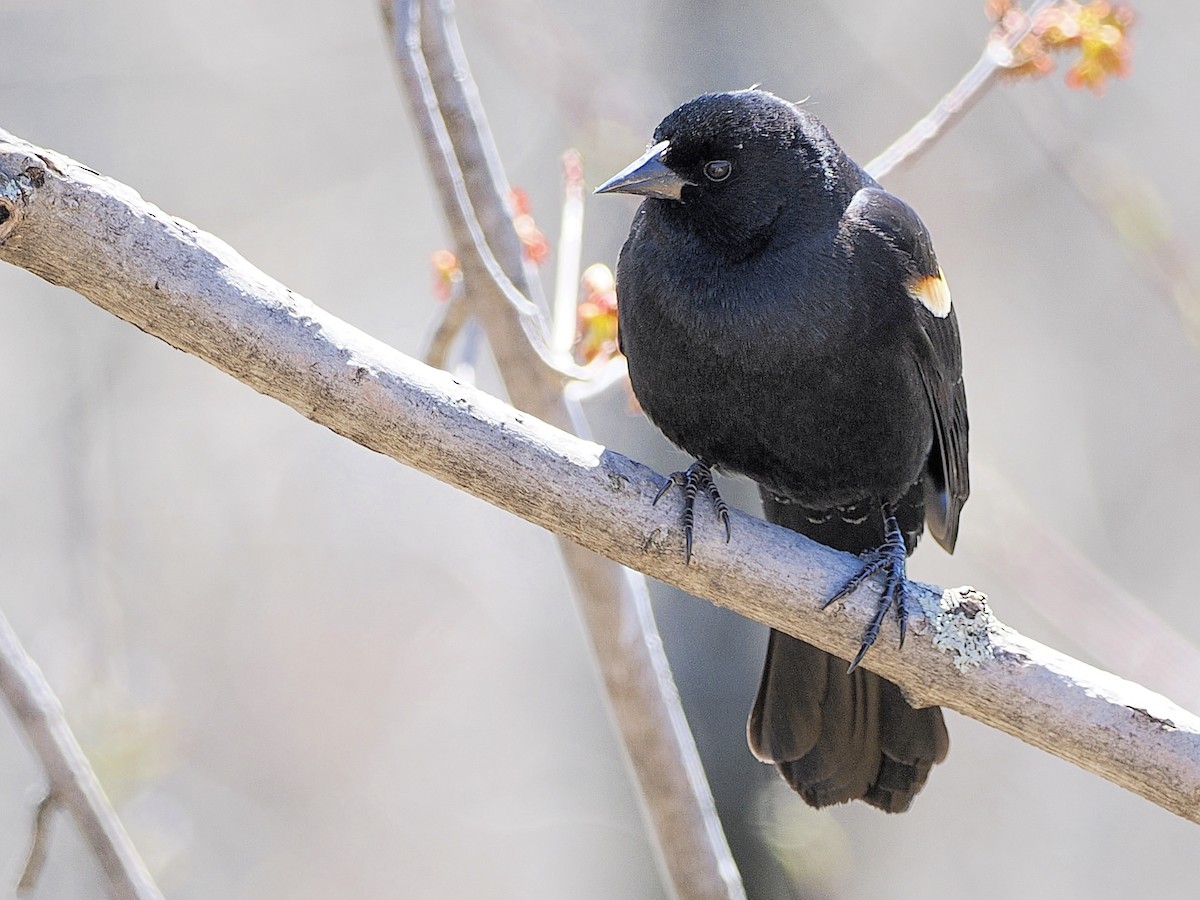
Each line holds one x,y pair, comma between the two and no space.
452,319
73,784
39,844
615,602
97,237
907,148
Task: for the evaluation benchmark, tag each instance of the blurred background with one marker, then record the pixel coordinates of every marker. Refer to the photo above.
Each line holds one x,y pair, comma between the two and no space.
304,671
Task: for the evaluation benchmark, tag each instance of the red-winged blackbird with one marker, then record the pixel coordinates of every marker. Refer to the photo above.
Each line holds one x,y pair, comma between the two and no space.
784,317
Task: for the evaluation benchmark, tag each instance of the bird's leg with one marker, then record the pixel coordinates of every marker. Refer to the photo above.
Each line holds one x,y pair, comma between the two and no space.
888,558
695,478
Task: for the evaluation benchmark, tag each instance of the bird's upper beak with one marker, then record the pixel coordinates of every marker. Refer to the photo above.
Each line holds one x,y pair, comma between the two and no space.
649,176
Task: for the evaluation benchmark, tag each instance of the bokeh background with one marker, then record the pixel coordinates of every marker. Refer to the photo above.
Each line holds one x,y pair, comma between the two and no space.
305,671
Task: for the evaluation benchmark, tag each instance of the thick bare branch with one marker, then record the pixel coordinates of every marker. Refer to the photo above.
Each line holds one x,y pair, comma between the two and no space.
73,784
99,238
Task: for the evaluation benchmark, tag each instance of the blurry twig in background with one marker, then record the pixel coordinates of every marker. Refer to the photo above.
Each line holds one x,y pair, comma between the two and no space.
1123,196
616,605
909,146
1020,46
570,250
38,846
72,783
1064,588
453,315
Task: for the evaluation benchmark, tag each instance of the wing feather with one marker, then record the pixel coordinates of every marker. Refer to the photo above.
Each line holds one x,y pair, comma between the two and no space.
939,354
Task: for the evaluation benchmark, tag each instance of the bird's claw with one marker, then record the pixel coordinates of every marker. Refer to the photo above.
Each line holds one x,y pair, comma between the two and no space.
888,558
696,477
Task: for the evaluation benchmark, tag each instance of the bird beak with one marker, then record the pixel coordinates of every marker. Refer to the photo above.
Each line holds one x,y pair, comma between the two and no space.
648,176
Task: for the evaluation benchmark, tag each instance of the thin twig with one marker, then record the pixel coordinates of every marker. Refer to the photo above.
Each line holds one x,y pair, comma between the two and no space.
39,844
1119,190
570,251
920,137
73,784
453,315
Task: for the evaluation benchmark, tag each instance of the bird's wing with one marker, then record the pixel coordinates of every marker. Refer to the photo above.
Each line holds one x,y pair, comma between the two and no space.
939,359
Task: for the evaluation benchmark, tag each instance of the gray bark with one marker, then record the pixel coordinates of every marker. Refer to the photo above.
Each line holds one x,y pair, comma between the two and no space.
75,228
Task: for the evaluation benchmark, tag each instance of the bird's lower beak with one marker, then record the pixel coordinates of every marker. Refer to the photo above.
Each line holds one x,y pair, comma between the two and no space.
648,176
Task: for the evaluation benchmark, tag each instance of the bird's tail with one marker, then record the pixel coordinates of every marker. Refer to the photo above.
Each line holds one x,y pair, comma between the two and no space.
836,737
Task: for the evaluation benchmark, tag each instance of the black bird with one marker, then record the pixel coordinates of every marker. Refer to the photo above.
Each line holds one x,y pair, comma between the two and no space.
784,317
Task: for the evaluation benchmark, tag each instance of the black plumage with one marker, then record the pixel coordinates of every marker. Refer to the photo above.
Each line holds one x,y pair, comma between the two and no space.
784,317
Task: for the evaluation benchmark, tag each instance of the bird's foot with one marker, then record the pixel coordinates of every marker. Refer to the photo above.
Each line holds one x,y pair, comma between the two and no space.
888,558
695,478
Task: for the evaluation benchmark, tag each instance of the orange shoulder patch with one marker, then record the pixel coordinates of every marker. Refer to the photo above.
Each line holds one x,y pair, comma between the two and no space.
932,292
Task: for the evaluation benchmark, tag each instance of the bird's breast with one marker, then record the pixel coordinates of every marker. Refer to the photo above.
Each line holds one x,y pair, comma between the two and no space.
816,413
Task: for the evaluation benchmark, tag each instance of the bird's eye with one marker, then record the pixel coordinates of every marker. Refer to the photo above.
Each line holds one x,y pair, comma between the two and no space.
718,169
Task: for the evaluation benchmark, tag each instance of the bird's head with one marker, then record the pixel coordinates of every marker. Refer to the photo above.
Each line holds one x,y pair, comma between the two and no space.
730,164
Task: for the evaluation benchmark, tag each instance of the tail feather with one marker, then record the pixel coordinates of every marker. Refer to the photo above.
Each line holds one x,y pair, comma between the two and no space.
838,768
836,737
833,736
785,725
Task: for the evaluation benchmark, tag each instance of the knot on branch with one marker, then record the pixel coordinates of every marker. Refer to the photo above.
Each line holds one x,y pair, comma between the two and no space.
10,215
21,173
